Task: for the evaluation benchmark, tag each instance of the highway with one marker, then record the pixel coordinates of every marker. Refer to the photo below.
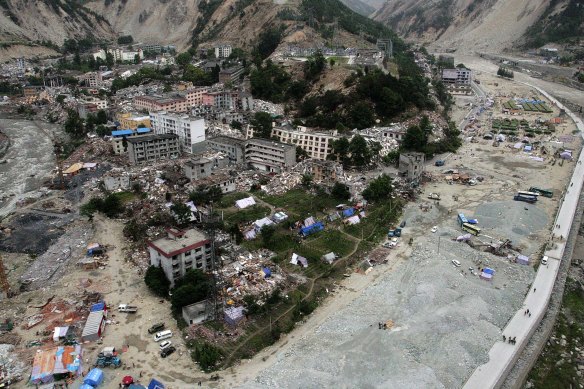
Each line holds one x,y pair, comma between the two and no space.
503,355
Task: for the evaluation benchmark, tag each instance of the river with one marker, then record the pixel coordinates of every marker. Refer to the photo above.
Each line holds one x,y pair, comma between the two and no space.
28,161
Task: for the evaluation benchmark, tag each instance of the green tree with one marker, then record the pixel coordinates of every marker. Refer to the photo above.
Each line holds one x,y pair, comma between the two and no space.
340,151
182,212
306,180
192,288
101,117
134,230
301,154
360,115
268,234
314,66
207,356
378,189
262,124
183,59
415,139
156,281
74,124
340,191
360,153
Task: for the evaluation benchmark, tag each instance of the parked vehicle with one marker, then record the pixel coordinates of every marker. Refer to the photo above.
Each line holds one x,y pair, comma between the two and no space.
543,192
164,344
167,351
434,229
108,357
156,328
456,263
434,196
524,198
162,335
127,308
395,232
439,163
544,260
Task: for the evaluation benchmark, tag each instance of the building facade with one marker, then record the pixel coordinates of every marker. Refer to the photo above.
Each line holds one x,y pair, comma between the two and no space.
199,168
457,76
269,156
190,130
132,121
194,96
179,252
234,148
147,148
411,165
119,135
230,74
223,51
160,103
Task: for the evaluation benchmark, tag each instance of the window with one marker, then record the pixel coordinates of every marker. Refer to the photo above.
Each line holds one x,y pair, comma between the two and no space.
188,253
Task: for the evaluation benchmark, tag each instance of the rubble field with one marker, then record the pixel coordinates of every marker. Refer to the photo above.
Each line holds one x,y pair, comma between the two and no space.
15,236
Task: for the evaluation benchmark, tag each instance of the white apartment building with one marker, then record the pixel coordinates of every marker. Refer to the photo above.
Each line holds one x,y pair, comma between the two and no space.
179,252
223,51
120,55
190,130
318,145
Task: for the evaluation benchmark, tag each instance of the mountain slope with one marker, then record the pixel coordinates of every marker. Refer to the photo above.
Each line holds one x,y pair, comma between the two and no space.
49,20
359,6
466,25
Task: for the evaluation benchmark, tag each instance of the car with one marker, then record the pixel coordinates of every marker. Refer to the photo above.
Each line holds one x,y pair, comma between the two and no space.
167,351
156,328
394,240
387,245
456,263
165,344
544,260
434,229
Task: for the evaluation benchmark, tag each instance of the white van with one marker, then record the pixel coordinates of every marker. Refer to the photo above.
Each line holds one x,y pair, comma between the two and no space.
456,263
544,260
162,335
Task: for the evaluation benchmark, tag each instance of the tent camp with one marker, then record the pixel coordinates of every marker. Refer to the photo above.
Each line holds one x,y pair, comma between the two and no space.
311,229
56,361
279,217
244,203
60,333
348,212
298,259
261,223
353,220
154,384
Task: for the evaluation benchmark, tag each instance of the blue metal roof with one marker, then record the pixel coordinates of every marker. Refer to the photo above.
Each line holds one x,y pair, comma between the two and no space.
122,132
143,130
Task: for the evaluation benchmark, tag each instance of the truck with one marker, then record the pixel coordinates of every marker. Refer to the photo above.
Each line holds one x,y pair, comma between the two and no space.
108,357
127,308
395,232
544,192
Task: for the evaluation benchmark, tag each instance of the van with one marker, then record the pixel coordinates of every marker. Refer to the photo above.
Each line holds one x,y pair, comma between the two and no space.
162,335
544,260
455,263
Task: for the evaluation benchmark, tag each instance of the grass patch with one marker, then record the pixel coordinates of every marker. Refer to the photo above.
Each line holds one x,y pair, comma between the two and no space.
246,215
125,197
299,204
229,200
379,218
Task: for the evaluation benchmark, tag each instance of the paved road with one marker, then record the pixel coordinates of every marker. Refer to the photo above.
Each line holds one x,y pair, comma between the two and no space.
503,356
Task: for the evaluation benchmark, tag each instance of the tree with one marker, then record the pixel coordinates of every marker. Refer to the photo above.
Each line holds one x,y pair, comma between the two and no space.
101,117
135,230
207,356
301,154
156,281
236,125
136,59
415,139
314,66
268,42
262,124
183,59
182,212
192,288
74,124
340,191
360,154
125,40
340,151
378,189
360,115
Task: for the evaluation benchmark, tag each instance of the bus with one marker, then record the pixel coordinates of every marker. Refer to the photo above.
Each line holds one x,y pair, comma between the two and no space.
527,199
543,192
525,193
471,229
462,219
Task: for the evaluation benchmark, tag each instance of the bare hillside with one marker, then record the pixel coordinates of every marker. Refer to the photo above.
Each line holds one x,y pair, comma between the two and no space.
464,25
55,21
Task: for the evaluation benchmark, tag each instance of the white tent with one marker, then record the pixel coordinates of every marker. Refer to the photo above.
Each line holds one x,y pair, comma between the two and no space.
244,203
259,224
353,220
298,259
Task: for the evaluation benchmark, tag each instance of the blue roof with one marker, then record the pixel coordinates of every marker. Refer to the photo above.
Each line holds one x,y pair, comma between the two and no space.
122,132
154,384
97,307
143,130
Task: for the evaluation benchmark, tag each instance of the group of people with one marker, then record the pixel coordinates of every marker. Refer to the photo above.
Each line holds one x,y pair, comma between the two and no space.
382,326
510,339
526,312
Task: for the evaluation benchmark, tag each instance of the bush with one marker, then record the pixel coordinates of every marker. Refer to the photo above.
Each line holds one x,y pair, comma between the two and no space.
207,355
156,281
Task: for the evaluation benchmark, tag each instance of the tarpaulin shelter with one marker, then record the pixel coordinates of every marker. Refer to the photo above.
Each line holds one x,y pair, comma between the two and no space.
60,332
353,220
127,380
522,259
74,169
298,259
94,377
473,221
309,221
348,212
85,386
233,315
566,154
260,223
313,228
244,203
487,274
94,248
154,384
98,307
267,272
249,234
330,257
279,217
465,238
58,360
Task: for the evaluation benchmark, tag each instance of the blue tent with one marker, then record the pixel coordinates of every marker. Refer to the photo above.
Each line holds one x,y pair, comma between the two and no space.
267,272
86,386
155,384
94,377
97,307
349,212
316,227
